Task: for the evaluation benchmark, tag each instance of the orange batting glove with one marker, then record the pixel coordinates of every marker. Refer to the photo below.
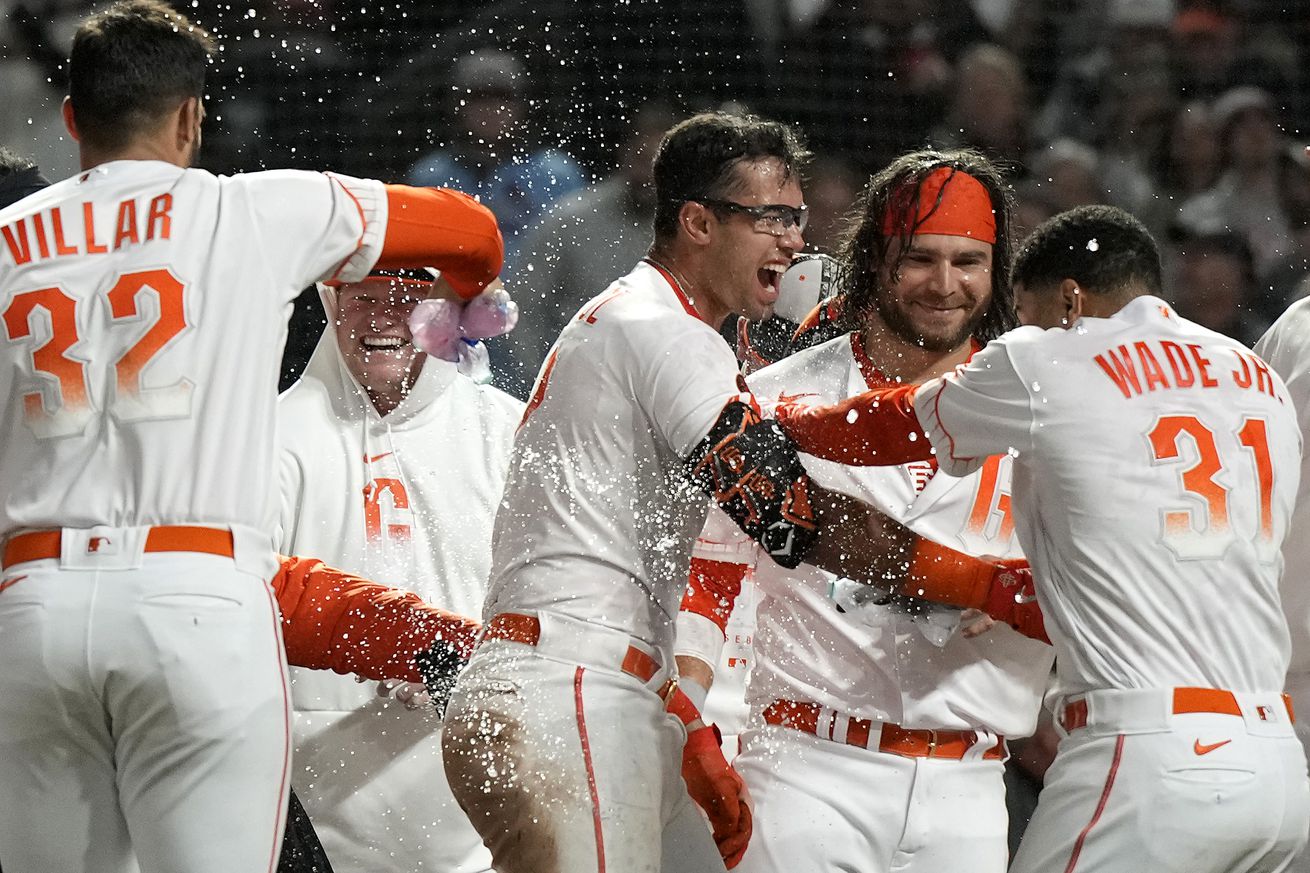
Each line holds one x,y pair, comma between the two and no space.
712,783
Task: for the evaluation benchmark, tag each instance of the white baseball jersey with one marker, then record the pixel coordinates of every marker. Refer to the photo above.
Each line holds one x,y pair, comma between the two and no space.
407,499
599,520
145,309
827,640
1156,464
1286,348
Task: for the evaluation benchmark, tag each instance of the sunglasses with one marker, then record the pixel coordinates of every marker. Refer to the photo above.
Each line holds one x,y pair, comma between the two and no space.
774,219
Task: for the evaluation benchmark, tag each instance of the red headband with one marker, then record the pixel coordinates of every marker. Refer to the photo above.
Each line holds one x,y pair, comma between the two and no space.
965,208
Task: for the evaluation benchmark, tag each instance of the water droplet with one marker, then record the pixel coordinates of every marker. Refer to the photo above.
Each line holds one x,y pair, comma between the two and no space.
1093,245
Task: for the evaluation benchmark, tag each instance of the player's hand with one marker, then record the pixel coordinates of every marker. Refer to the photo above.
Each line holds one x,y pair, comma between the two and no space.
414,695
440,665
718,791
975,623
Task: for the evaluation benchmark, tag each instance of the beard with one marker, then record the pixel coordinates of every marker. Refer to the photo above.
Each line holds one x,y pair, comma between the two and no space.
900,323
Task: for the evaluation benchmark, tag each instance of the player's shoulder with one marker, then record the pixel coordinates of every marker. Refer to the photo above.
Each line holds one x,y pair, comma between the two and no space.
820,369
1289,334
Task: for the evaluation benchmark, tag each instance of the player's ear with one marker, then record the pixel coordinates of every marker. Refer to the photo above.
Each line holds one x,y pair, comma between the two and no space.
186,124
694,219
1071,301
69,121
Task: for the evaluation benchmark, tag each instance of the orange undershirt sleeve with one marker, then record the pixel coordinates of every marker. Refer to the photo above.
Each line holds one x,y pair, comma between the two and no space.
437,227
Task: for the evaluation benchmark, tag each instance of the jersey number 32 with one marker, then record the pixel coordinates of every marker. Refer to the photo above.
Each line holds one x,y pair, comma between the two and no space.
62,405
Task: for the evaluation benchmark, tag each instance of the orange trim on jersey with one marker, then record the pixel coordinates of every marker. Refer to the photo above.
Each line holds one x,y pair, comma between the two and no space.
437,227
873,377
280,811
1100,806
875,428
937,417
10,583
363,225
591,770
539,390
677,289
712,589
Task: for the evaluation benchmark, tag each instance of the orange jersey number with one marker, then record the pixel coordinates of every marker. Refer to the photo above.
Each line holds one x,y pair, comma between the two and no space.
1207,533
61,405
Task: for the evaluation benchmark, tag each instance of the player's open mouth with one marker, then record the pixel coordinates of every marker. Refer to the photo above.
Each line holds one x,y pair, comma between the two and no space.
771,276
382,343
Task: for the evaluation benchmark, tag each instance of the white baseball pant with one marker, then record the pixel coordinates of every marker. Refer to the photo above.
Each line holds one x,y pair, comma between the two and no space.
1149,785
566,764
825,805
143,712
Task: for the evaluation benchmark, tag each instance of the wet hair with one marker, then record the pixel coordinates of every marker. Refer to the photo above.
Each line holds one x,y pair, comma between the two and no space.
131,64
865,246
1102,248
18,177
698,159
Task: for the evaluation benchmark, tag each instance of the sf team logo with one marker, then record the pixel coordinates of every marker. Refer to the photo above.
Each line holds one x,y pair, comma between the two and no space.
990,526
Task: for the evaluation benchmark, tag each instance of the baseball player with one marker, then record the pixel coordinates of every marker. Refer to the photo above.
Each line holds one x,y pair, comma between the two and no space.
1286,348
392,465
557,741
143,708
880,726
1156,465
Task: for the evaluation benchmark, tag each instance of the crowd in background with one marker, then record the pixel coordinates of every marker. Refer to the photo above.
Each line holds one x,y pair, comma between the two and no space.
1189,113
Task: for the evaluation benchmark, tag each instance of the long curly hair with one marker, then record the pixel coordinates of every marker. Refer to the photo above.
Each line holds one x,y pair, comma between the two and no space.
895,189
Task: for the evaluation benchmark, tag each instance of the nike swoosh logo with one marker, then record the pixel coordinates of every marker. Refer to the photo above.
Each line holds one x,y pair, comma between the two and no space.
1207,749
368,460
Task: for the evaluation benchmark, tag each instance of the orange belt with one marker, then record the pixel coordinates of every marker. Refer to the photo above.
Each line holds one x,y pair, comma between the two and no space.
910,743
42,544
1186,700
526,629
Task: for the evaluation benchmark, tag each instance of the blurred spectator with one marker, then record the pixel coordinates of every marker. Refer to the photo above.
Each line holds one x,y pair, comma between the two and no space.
586,239
870,78
988,105
1187,162
1281,284
1136,121
1210,58
1246,197
1063,175
489,153
1134,36
34,41
831,186
1214,285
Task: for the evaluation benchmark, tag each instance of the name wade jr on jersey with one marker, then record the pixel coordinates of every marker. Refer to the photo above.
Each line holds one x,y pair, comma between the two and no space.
1137,369
52,242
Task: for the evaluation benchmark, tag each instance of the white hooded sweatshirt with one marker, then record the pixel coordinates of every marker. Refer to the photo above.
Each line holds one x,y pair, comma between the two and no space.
407,499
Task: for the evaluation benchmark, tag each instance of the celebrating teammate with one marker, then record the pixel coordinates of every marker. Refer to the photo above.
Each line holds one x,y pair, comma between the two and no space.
557,742
1286,348
1156,464
392,465
143,709
884,724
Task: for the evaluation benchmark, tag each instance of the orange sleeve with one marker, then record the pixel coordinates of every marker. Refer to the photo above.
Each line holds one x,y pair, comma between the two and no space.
876,428
437,227
333,620
712,588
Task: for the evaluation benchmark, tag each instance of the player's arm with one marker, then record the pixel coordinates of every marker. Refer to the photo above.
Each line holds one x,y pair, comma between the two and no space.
338,621
438,227
982,409
712,588
711,781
